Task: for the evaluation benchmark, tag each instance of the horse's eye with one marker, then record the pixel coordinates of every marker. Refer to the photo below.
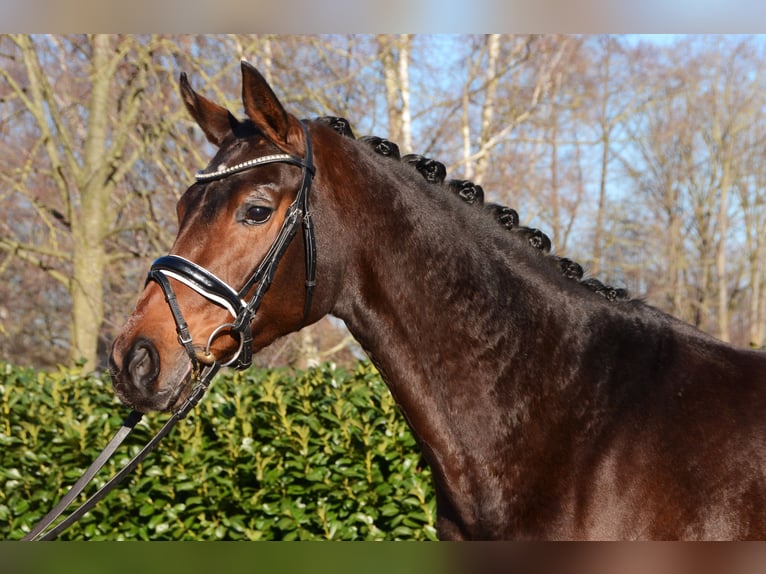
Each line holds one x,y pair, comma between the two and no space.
257,214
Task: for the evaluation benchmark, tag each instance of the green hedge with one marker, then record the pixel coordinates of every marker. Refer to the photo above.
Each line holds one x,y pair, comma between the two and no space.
266,455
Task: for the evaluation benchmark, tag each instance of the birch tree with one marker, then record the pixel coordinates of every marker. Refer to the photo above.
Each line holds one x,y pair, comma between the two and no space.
394,53
519,71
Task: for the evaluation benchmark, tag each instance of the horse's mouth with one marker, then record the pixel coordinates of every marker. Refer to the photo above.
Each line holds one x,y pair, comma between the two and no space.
167,399
181,392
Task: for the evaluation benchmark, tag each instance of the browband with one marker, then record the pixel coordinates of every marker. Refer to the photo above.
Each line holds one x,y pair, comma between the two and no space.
222,171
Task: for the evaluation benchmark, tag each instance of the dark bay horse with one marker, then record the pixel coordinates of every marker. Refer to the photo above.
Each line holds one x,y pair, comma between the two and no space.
545,410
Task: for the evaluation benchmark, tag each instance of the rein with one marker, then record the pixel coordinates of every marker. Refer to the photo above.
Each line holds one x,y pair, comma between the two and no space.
220,293
38,531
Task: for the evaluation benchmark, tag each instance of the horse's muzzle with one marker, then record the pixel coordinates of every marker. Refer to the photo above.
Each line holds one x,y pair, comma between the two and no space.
136,378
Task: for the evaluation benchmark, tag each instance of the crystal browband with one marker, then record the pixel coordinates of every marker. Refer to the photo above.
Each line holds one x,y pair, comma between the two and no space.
226,171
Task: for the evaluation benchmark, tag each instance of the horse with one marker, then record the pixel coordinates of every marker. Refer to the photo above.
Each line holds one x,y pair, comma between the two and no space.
544,409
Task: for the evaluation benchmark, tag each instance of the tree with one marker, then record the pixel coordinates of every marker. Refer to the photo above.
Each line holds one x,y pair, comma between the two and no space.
80,115
519,72
394,53
698,140
96,151
612,106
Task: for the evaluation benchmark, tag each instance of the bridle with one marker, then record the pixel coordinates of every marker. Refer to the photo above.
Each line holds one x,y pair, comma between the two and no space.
221,293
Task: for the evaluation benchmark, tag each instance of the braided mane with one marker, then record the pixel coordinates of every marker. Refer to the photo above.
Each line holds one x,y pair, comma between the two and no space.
435,172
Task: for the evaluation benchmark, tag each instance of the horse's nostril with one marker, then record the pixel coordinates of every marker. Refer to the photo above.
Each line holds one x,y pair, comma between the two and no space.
143,364
139,366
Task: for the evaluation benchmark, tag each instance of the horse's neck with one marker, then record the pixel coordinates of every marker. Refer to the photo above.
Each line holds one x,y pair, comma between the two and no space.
444,314
461,330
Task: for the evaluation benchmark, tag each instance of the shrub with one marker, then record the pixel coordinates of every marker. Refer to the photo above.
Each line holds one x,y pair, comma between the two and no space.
266,455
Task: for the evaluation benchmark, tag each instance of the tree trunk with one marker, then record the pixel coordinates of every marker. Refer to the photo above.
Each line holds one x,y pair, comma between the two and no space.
675,257
465,132
390,80
757,296
555,202
90,228
405,41
604,164
308,351
601,206
488,108
720,263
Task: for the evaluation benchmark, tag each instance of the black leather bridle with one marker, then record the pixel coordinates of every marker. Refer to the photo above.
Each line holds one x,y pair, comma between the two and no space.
222,294
219,292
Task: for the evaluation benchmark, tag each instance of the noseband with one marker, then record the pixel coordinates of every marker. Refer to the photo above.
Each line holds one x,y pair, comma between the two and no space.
222,294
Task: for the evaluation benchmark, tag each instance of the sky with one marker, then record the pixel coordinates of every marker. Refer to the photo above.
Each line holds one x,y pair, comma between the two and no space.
392,16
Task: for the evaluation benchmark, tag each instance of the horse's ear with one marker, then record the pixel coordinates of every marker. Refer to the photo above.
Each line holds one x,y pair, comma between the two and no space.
216,121
263,107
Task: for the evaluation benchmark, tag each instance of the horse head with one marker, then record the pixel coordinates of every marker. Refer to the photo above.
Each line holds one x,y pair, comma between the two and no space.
225,290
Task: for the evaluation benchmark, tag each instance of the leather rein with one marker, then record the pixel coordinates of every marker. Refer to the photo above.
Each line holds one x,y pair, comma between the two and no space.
220,293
